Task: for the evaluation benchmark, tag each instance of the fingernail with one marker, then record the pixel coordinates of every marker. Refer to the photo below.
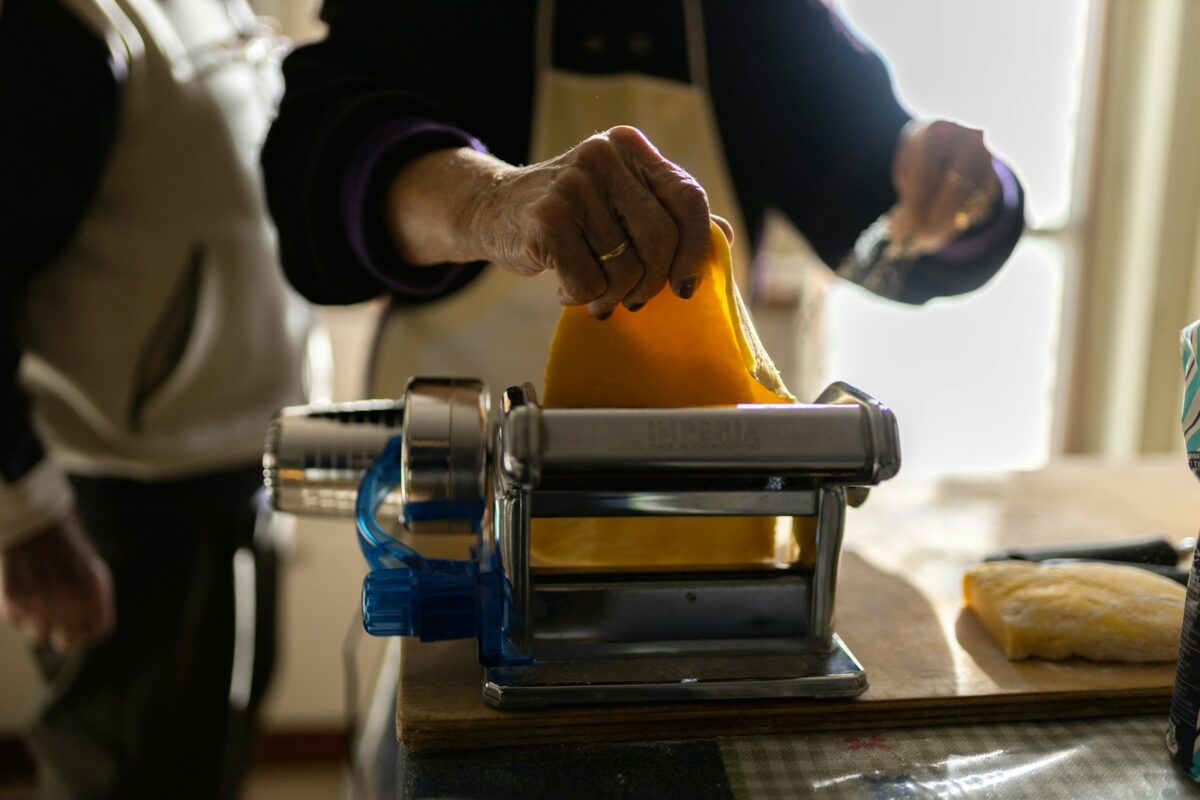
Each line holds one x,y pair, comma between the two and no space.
687,287
604,316
636,306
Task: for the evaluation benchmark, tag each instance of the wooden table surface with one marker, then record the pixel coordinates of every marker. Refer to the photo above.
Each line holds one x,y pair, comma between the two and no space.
899,609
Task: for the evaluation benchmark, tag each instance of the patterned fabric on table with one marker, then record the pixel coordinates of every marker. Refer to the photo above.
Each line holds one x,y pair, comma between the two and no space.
1108,758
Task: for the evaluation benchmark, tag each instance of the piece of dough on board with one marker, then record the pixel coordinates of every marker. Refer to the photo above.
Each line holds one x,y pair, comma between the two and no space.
1103,612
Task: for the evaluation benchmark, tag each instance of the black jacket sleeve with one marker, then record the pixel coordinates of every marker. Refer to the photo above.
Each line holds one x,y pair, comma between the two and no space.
807,115
810,118
358,105
59,100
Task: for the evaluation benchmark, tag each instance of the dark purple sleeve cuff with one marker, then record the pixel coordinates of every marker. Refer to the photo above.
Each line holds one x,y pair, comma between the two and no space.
383,152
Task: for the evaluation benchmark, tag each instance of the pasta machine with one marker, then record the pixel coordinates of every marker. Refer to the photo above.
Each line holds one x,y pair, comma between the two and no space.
441,462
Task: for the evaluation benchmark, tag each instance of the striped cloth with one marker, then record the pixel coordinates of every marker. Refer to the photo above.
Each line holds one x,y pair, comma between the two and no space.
1114,759
1190,344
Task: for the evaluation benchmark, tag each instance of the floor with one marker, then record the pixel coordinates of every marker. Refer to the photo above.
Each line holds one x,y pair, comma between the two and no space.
266,782
294,782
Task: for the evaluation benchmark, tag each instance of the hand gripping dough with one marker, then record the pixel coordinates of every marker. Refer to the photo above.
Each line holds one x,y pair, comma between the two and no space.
1102,612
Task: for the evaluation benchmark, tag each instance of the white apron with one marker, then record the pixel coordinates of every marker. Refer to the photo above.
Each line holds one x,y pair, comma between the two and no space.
499,327
164,335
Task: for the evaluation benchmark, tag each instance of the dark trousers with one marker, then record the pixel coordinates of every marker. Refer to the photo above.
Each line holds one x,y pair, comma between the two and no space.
148,713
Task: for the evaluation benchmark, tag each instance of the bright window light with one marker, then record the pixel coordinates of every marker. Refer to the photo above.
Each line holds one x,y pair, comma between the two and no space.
972,378
1013,68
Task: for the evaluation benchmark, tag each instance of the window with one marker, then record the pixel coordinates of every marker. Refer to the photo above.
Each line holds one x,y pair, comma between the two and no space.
972,379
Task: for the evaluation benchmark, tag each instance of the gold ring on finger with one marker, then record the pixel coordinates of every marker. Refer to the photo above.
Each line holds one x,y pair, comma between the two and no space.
977,202
956,178
616,251
973,210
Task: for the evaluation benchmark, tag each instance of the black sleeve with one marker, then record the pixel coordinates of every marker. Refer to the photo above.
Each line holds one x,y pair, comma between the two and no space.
811,121
329,97
808,116
357,106
59,93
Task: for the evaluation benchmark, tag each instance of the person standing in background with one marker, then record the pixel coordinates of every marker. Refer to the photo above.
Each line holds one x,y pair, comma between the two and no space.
420,142
146,338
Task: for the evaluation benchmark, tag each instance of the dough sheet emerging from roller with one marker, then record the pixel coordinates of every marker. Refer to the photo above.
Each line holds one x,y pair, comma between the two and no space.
1103,612
672,353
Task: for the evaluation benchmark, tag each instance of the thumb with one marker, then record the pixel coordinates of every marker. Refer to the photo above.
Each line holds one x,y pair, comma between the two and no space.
725,227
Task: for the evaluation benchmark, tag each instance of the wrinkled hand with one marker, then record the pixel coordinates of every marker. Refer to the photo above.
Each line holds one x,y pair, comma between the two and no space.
57,588
944,177
567,213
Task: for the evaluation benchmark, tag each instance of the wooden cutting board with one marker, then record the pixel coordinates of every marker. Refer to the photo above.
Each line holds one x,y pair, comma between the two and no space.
899,610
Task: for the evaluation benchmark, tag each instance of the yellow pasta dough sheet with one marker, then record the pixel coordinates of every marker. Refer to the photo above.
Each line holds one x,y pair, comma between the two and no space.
672,353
